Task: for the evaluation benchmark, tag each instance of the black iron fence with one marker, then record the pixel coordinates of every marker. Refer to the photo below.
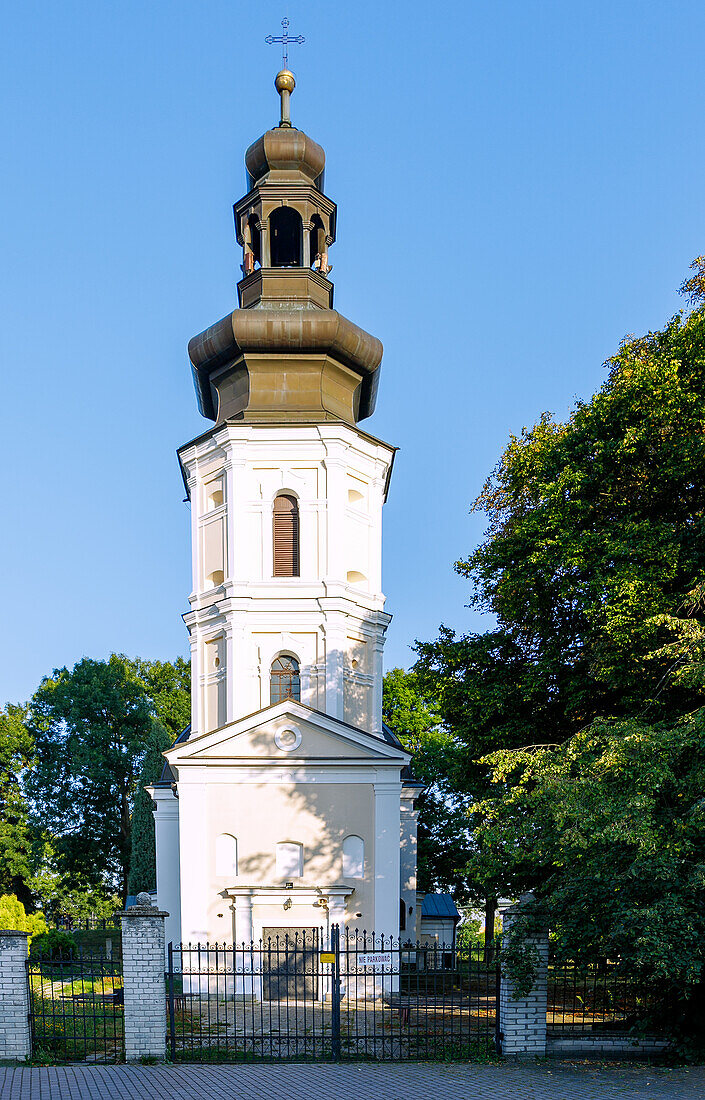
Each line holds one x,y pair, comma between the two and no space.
86,924
319,994
598,999
76,1007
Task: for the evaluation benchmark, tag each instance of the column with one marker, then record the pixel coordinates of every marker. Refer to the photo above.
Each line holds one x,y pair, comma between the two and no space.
307,244
230,712
243,939
264,250
15,1041
196,691
194,495
166,837
522,1014
243,919
408,862
335,568
387,832
143,978
377,646
193,849
235,517
376,503
335,641
337,910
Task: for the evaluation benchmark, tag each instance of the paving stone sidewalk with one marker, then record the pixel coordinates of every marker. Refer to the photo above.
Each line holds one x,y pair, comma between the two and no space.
546,1081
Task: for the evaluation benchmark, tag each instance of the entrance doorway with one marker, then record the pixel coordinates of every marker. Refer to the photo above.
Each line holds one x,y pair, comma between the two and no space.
289,964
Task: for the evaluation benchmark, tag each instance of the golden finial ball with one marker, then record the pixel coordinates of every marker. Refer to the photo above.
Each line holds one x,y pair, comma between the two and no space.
284,81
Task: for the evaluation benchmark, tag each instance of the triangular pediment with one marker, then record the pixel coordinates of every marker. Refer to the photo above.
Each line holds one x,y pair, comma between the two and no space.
287,733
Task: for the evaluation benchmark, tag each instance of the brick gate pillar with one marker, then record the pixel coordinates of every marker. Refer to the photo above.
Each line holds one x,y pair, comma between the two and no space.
523,1018
143,978
15,1039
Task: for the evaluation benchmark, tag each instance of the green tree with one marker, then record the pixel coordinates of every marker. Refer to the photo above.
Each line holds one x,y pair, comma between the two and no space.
168,686
91,726
489,696
13,915
583,712
143,869
608,831
413,716
16,837
597,532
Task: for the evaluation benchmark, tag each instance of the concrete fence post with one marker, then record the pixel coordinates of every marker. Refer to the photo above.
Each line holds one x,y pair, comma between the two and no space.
15,1036
523,1019
143,979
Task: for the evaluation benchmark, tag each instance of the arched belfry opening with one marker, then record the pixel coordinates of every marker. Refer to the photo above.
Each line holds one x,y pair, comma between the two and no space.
286,236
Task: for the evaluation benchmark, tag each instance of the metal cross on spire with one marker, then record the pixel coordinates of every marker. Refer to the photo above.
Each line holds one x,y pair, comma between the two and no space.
285,39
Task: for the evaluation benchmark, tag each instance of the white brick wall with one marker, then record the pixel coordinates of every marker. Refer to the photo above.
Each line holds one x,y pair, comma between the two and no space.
15,1043
143,977
523,1020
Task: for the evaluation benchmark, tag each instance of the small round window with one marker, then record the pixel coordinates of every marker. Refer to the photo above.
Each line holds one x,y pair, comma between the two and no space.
287,739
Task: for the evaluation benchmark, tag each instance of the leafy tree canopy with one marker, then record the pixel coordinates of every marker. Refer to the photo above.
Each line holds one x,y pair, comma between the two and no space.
413,715
16,841
580,716
143,868
597,533
13,915
91,726
168,686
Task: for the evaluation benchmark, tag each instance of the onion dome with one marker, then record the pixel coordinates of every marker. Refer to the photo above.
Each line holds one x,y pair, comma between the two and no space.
285,151
285,354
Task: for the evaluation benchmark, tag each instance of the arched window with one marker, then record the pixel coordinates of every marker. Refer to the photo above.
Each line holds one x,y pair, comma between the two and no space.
290,859
284,681
225,854
285,536
402,915
353,857
286,237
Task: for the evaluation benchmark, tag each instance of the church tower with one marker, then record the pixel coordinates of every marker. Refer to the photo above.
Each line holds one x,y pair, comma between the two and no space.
286,617
286,492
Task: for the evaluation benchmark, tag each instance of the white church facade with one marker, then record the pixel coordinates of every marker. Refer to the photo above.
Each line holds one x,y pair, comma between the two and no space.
287,805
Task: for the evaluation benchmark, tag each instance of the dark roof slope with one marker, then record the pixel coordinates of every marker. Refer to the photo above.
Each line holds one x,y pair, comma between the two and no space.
439,905
167,777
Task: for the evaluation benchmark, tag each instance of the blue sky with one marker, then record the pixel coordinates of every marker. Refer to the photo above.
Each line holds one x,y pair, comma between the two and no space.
520,184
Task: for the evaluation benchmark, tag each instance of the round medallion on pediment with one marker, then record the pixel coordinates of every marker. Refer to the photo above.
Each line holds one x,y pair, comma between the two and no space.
287,738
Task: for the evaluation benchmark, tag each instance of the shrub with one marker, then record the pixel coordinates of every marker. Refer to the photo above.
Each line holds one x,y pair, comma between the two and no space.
13,915
54,943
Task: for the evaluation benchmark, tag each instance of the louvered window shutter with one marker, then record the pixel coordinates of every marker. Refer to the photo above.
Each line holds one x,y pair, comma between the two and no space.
286,537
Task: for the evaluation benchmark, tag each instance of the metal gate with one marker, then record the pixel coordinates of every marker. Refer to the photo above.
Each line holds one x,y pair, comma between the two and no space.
329,995
76,1007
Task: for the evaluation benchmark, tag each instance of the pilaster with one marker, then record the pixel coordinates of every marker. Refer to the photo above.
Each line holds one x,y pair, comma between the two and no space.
387,832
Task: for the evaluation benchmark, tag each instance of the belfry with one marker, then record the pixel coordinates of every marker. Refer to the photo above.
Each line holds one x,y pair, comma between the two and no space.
286,803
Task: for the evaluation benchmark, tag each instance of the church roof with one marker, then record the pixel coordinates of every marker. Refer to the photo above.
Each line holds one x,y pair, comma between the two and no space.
167,777
439,906
383,747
